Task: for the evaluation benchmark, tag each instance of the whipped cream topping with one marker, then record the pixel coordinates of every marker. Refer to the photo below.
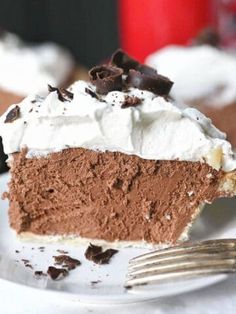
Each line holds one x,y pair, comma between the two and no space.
199,72
156,129
28,69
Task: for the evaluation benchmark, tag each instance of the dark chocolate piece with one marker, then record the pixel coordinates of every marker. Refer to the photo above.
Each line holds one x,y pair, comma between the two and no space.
92,250
57,273
67,261
131,101
94,253
208,36
158,84
63,94
13,114
125,62
25,261
106,78
91,93
104,257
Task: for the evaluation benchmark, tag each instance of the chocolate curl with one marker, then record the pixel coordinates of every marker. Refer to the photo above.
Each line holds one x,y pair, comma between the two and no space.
125,62
157,84
106,78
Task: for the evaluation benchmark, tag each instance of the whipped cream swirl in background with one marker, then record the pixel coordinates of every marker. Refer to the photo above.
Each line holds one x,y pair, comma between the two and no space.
27,69
199,72
156,129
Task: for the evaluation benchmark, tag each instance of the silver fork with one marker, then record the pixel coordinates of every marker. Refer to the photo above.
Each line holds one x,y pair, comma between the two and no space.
182,262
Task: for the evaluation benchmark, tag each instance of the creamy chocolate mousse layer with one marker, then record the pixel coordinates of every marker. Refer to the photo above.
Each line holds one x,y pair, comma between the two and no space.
109,196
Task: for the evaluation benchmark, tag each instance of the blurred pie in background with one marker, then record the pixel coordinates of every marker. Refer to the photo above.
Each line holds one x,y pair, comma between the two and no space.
26,69
204,76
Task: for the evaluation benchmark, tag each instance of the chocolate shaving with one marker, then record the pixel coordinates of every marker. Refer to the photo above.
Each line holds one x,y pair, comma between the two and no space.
94,253
92,250
39,273
63,94
25,261
91,93
13,114
125,62
157,84
57,273
106,78
131,101
208,36
104,257
67,261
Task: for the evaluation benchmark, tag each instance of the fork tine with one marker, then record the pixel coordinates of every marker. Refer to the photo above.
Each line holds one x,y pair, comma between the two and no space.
184,265
185,256
188,247
183,275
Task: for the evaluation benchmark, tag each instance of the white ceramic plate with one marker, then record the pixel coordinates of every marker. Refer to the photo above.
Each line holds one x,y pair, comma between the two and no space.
217,221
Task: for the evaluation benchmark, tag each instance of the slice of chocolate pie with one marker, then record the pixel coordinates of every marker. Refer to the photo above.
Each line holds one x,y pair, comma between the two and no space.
113,160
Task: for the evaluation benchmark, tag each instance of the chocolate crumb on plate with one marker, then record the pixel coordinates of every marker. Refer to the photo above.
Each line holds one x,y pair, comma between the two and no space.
13,114
16,251
95,282
131,101
104,257
57,273
25,261
66,261
94,253
92,250
62,251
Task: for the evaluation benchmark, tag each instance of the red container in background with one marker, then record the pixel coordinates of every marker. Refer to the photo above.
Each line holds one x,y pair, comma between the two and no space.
147,25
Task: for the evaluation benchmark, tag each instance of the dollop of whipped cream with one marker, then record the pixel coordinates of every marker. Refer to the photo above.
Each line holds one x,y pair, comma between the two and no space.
26,69
199,72
155,129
